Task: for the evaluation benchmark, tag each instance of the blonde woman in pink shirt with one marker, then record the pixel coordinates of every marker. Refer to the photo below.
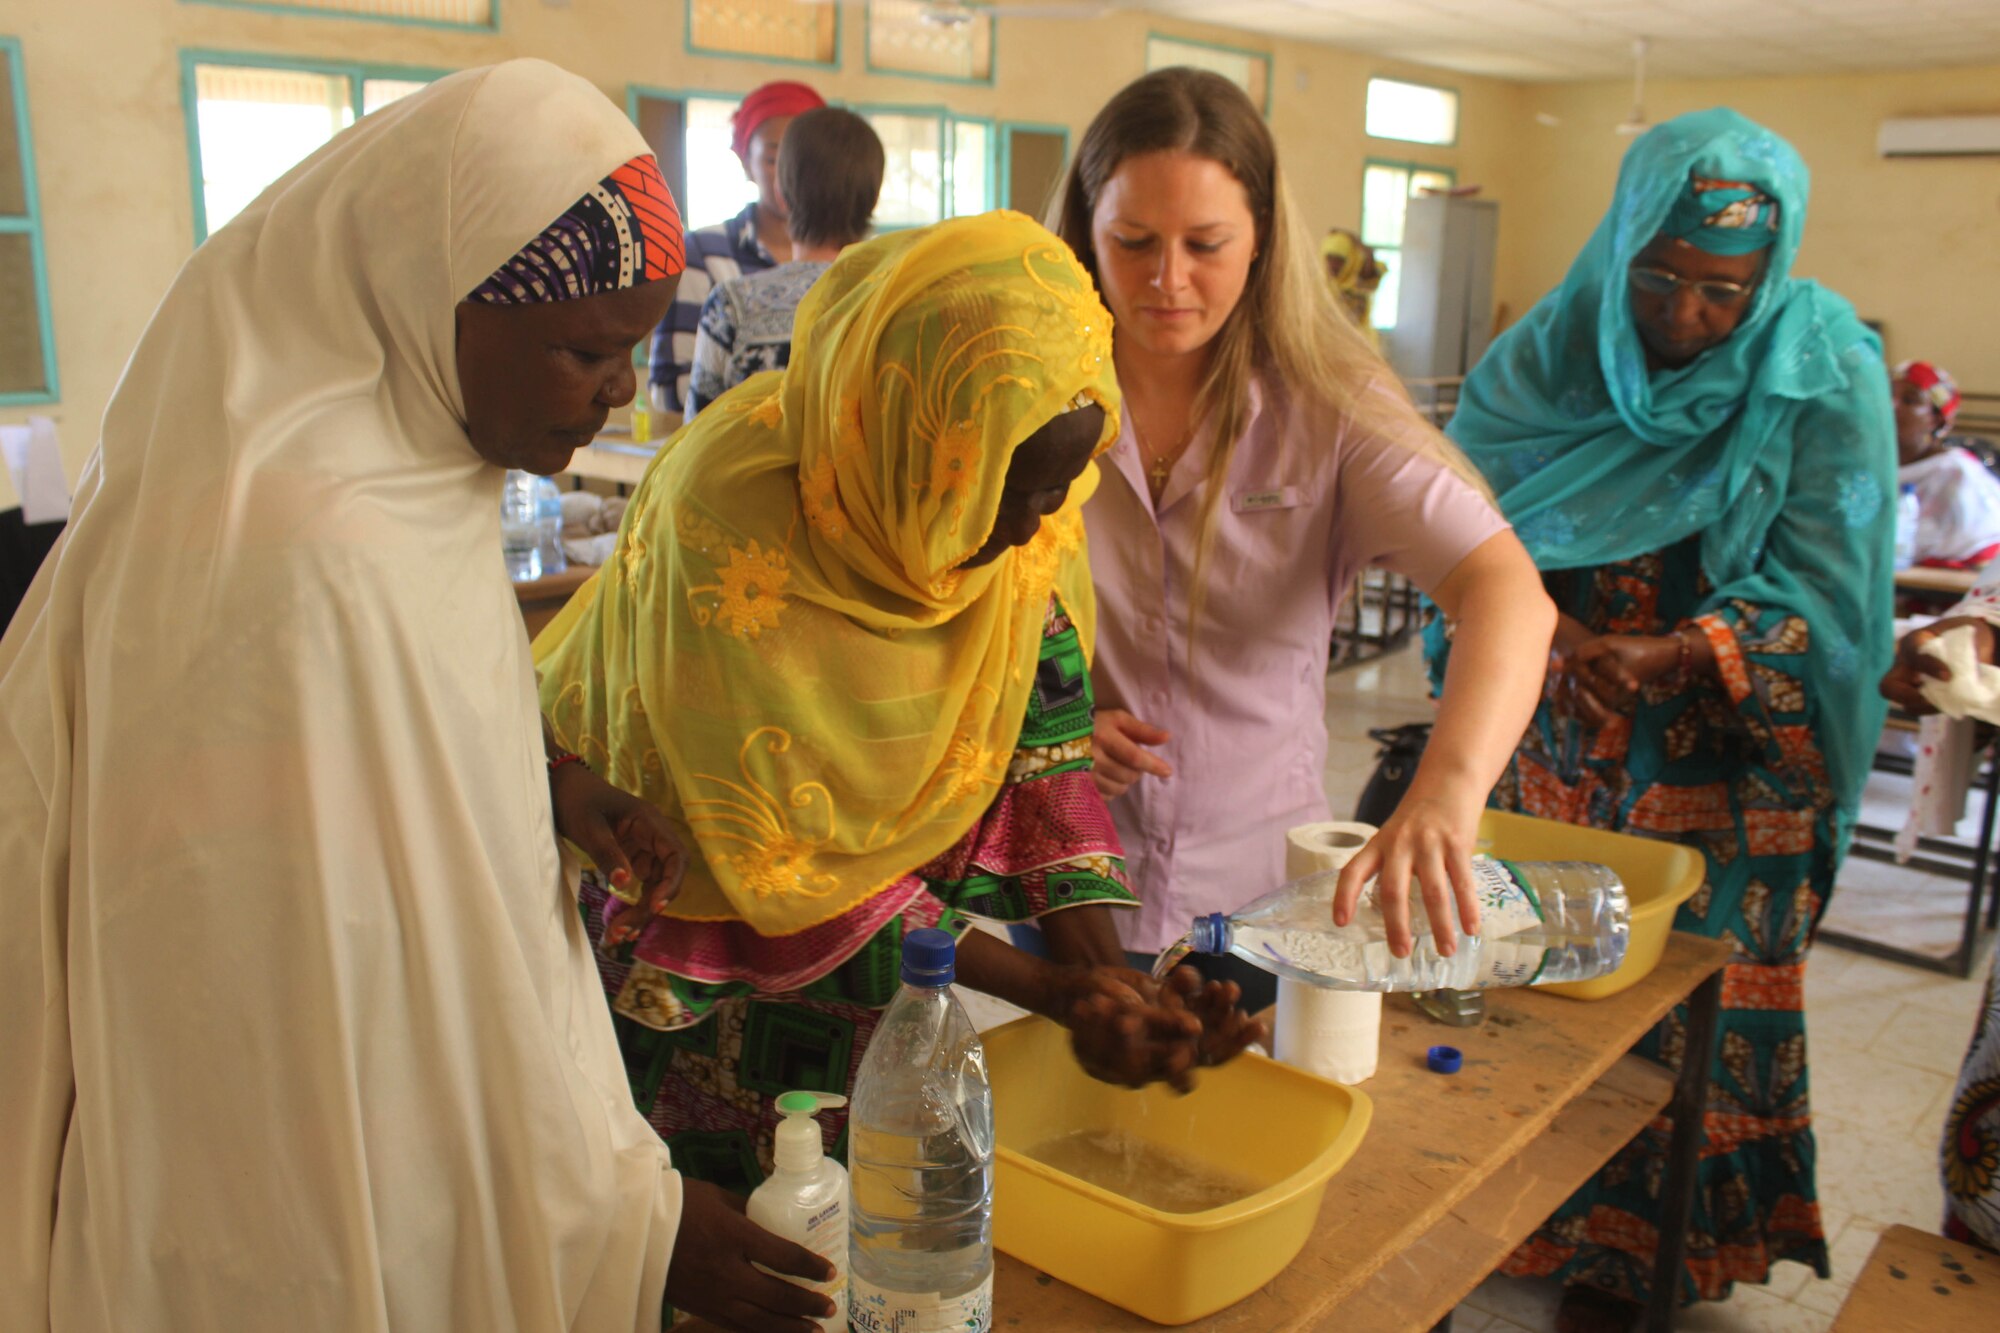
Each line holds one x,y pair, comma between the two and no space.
1268,455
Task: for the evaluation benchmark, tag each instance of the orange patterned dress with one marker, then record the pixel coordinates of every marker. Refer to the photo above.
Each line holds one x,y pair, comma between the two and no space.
1728,767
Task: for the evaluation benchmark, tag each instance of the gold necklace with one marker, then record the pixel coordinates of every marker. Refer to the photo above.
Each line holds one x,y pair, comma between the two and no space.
1162,465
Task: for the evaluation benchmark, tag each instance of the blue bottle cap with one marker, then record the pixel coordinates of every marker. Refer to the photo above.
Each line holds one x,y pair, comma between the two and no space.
1444,1059
929,957
1208,933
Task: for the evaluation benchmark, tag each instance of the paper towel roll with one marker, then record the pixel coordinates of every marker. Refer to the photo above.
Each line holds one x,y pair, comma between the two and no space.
1334,1034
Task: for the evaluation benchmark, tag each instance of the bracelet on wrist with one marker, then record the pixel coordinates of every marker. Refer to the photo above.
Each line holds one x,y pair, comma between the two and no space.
556,761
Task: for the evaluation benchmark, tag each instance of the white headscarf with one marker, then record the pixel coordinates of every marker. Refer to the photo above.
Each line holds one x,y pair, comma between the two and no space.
300,1026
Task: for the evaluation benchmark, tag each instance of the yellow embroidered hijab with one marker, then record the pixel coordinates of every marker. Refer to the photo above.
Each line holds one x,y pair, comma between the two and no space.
782,652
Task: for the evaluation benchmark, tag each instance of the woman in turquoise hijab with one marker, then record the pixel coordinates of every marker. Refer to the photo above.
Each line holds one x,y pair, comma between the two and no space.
1699,451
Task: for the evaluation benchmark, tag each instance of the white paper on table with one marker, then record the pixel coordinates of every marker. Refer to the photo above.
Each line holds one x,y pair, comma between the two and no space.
34,457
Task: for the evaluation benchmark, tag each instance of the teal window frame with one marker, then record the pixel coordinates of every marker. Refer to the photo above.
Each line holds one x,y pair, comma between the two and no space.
716,53
1003,156
888,72
1361,229
356,73
29,224
1457,119
1270,66
492,25
946,118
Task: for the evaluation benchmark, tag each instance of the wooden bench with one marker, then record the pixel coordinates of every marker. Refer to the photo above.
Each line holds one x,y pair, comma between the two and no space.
1919,1283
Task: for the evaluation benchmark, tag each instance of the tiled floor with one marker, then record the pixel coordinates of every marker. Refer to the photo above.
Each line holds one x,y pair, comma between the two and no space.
1886,1042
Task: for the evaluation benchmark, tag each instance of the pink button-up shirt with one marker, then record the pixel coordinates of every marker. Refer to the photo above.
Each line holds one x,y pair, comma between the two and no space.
1307,508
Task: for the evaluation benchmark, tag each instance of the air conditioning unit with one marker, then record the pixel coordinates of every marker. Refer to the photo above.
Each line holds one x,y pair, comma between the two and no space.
1940,136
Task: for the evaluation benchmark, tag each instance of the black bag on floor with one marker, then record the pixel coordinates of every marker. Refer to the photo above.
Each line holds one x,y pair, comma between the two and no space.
1395,765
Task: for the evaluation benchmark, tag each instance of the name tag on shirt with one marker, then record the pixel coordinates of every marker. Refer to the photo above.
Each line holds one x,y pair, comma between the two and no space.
1279,497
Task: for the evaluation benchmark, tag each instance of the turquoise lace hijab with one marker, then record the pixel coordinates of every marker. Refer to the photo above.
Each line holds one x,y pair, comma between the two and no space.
1776,446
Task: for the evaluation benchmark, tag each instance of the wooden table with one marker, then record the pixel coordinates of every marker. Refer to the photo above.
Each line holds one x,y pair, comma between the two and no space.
1919,1283
1459,1169
544,597
613,457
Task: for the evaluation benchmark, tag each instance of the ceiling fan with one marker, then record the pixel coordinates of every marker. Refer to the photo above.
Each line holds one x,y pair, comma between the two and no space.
958,13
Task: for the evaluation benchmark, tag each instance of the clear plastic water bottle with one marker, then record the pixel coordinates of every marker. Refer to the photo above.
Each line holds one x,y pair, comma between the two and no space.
548,521
920,1158
520,528
1909,512
1539,921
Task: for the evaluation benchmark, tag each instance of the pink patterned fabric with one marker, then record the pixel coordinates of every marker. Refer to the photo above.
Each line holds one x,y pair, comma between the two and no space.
1033,826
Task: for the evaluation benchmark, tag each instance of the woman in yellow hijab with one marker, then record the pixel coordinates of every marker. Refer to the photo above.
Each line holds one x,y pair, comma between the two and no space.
843,644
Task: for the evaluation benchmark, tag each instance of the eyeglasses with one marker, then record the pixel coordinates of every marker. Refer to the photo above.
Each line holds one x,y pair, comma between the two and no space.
1665,282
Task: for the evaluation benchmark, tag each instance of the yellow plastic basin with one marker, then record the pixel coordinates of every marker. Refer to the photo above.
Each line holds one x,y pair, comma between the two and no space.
1284,1130
1659,877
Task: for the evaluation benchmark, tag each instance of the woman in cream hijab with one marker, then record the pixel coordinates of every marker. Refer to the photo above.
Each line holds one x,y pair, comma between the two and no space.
302,1028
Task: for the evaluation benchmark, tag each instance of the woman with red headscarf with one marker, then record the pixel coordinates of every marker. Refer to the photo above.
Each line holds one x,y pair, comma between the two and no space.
1958,499
752,241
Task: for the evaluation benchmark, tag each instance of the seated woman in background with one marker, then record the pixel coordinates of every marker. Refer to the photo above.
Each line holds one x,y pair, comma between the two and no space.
1958,523
1969,1153
830,174
1695,447
843,644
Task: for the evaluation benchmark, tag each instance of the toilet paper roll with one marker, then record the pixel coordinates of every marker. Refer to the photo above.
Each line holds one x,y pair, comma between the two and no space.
1334,1034
1329,845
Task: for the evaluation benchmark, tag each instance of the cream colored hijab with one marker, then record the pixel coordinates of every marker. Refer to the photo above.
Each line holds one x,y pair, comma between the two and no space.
301,1029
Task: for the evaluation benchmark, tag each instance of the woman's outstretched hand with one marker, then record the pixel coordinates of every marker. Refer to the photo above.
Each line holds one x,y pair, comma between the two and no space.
1427,842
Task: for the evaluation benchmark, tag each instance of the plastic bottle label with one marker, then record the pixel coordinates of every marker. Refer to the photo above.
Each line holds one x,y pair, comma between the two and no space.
825,1234
1507,906
1505,963
871,1309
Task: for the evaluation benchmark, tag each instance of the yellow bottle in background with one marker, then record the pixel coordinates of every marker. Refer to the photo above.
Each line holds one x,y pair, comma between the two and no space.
642,418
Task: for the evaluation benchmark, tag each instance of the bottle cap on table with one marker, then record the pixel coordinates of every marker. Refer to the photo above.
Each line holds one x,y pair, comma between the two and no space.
1444,1059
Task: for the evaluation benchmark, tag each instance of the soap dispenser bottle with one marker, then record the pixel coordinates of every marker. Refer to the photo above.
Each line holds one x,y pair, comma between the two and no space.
805,1198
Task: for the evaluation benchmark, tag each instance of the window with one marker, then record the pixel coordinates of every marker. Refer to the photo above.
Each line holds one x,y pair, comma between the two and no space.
252,119
1386,191
938,166
27,348
780,30
1031,166
717,188
971,167
906,37
1248,70
431,13
913,182
1414,112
